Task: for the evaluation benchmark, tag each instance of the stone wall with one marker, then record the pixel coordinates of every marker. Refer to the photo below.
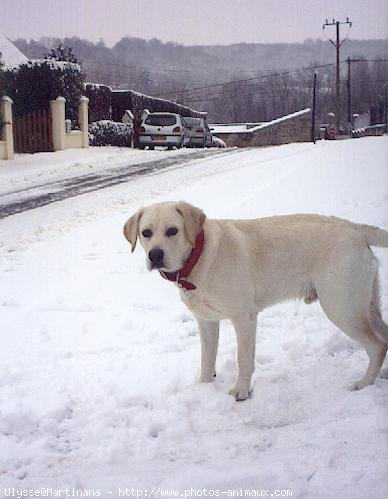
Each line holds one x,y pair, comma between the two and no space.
296,129
75,138
6,136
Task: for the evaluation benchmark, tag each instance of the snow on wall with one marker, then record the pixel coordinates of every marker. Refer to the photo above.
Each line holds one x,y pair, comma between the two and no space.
246,128
232,127
279,120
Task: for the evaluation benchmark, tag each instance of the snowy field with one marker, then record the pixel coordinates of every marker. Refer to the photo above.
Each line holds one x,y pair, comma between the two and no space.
100,360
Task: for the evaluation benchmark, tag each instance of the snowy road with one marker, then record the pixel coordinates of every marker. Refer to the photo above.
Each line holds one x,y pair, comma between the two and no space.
99,360
17,201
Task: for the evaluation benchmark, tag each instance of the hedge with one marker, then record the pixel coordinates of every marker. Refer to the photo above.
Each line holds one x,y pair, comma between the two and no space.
136,102
100,106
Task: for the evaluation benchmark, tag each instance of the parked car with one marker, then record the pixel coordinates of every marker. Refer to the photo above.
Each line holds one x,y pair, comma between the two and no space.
200,135
163,129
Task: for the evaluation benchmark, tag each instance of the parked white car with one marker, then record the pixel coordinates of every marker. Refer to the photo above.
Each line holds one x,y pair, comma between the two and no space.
200,135
163,129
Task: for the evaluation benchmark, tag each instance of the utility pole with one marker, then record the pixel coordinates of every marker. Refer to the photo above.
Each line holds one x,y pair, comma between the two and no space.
337,44
313,113
349,98
386,109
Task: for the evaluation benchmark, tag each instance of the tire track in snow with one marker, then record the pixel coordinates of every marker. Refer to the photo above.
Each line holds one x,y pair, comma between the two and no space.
64,189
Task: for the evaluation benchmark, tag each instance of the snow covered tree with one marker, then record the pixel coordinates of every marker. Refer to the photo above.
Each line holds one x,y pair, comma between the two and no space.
63,53
34,84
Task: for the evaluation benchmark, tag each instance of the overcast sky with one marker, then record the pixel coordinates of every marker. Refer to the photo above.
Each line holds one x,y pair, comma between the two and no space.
191,21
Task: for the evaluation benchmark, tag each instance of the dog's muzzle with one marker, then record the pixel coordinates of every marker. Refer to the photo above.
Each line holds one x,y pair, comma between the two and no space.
156,256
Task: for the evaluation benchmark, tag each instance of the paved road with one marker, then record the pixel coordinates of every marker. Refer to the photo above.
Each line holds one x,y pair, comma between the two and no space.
33,197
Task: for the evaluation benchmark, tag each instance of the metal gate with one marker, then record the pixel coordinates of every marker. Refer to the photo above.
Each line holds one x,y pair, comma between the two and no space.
32,132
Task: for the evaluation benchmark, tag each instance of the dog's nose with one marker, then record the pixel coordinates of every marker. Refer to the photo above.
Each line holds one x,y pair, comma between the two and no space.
156,256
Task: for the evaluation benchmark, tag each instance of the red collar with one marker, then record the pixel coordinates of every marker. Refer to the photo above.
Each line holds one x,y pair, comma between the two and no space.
179,276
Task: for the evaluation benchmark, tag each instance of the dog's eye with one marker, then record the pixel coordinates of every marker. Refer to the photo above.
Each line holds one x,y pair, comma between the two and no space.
147,232
172,231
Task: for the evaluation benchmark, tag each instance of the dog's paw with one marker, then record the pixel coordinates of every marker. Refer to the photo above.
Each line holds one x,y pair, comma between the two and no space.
207,378
384,373
358,385
240,392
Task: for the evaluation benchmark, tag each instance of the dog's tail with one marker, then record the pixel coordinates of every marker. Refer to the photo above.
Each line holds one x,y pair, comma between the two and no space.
375,236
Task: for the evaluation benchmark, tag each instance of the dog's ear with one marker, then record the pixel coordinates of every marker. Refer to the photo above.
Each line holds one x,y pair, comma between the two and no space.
193,218
131,228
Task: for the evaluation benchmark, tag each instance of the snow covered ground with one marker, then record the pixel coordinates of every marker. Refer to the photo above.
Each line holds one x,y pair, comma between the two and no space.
100,360
28,170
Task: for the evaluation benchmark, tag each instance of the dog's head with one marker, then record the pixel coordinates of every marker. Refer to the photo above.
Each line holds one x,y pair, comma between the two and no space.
167,233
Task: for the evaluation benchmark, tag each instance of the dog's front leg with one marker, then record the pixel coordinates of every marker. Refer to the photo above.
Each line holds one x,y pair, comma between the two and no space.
245,327
209,332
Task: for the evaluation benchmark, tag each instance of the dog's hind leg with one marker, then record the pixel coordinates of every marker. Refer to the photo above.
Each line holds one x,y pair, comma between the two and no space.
376,353
379,327
360,330
347,296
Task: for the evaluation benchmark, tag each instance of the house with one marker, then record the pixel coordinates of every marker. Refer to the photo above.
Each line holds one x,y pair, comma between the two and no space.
10,55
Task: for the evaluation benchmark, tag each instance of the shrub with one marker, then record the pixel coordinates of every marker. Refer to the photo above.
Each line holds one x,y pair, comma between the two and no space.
110,133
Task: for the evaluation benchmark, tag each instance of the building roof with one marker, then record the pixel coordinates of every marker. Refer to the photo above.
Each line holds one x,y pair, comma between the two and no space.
10,56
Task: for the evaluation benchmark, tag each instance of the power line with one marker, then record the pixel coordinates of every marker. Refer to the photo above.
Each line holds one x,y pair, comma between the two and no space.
247,92
185,90
273,74
261,91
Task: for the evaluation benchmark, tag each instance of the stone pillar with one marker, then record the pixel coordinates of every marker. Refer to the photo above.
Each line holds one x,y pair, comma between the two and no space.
58,123
83,120
6,111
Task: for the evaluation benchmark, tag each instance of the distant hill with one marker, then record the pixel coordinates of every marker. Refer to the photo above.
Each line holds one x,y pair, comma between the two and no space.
149,63
190,74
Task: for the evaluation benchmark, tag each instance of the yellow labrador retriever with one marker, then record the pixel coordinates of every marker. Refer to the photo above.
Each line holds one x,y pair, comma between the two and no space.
233,269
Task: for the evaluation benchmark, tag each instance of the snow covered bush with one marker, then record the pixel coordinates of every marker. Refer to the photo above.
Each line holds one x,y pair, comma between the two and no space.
110,133
32,85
